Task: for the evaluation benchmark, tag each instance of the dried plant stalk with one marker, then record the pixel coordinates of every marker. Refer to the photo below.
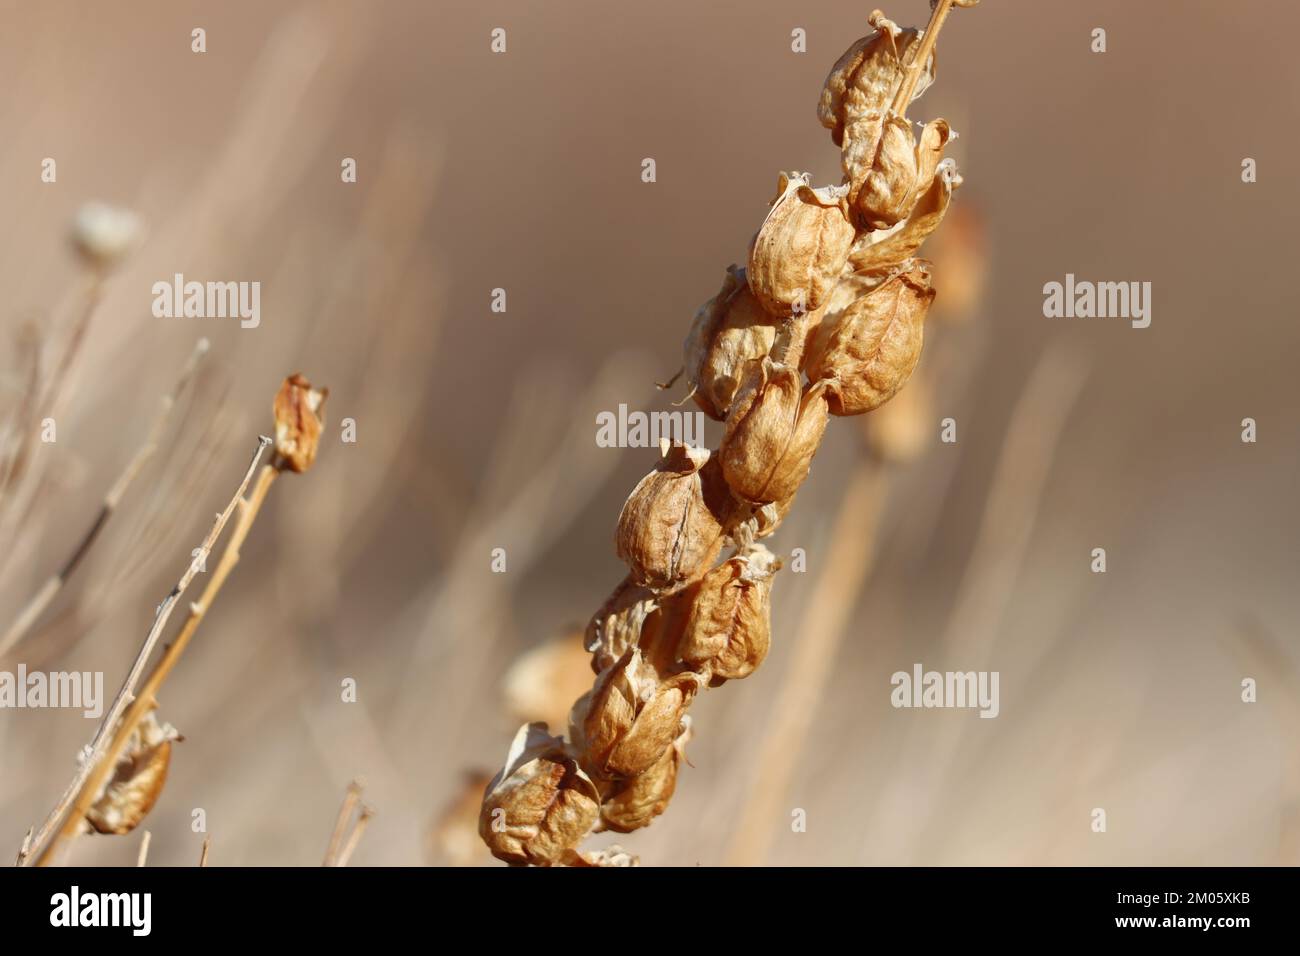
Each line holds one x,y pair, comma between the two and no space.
839,311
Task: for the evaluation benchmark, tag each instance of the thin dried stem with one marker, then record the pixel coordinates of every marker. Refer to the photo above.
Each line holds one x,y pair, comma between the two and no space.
922,53
351,797
203,854
363,819
39,601
144,849
99,757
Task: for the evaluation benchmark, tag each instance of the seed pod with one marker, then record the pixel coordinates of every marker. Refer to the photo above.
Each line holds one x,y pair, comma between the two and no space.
773,432
637,801
730,331
887,169
616,627
298,422
867,77
137,780
728,632
866,353
881,252
610,856
630,718
769,517
671,527
541,804
799,251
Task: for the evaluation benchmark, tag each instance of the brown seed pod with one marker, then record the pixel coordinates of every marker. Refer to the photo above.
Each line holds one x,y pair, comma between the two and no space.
616,627
887,169
867,77
610,856
629,717
773,431
866,353
635,802
881,252
728,632
730,331
541,805
800,250
299,418
671,527
137,780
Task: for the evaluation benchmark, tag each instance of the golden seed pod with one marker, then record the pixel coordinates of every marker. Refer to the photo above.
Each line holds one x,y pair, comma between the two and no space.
865,353
772,433
299,418
541,804
635,802
610,856
878,252
729,331
866,78
769,517
137,780
729,629
887,168
800,250
671,527
629,718
616,628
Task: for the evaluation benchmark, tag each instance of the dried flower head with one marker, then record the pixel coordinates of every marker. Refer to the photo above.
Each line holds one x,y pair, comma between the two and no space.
137,780
865,353
540,804
729,331
629,717
772,433
104,234
800,250
635,802
865,80
671,527
728,631
299,418
887,168
877,252
616,628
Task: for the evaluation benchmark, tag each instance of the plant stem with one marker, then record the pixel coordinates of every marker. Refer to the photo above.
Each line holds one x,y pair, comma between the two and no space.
916,63
99,757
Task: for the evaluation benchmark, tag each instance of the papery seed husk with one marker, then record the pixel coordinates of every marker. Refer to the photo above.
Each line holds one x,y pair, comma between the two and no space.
547,803
728,631
799,251
874,253
616,627
610,856
729,331
635,802
773,432
866,353
885,183
131,794
299,411
866,78
657,725
603,716
671,526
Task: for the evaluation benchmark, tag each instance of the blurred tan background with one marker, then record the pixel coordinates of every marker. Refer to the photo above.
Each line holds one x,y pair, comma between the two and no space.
476,430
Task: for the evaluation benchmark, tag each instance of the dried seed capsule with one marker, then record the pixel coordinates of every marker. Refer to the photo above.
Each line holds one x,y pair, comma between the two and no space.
881,252
299,418
730,331
541,804
799,251
728,632
637,801
671,527
137,780
616,627
866,353
867,77
887,169
630,718
610,856
773,432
